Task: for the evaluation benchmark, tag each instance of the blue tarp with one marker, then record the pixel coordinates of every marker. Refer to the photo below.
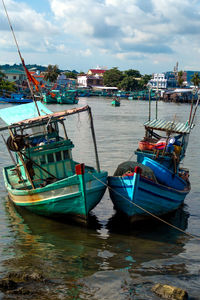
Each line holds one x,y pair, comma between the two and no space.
14,114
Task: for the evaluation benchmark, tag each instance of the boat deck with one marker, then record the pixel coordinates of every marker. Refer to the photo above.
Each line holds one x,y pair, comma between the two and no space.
14,181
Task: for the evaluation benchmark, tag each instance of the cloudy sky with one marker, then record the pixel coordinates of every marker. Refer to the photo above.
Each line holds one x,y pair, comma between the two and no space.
147,35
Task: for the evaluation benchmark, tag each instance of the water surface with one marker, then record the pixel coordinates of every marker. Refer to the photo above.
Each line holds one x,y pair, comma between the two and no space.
107,260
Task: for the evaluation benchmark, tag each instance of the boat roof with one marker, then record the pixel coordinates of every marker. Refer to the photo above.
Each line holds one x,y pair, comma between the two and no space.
33,119
174,127
15,114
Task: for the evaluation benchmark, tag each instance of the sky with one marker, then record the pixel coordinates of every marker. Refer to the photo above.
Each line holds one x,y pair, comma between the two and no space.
145,35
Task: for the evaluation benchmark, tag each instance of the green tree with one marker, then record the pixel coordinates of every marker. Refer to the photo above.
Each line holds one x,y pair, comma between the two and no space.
6,85
180,78
51,73
196,79
113,77
71,75
144,81
133,73
128,83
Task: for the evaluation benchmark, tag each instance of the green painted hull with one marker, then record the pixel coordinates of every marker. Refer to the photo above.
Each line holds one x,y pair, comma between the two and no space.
67,100
115,103
65,196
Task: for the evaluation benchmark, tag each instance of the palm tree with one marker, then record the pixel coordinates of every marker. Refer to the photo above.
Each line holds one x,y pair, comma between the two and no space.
51,73
180,78
196,79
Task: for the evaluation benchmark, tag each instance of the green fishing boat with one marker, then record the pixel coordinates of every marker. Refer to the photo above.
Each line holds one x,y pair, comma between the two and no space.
43,176
51,96
115,102
65,97
68,97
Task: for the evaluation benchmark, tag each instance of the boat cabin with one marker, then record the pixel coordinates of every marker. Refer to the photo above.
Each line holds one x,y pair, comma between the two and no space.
42,155
165,141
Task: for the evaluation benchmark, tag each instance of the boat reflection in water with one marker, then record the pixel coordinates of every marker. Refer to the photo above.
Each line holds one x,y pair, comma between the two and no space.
75,261
152,228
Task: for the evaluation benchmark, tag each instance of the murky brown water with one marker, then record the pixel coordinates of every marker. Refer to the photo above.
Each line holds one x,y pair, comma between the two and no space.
107,260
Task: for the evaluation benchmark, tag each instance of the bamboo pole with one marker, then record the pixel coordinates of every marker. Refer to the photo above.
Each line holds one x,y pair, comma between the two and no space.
195,109
94,138
22,161
29,85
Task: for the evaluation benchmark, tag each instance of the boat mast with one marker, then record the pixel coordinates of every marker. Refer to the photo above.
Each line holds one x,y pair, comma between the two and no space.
94,138
22,60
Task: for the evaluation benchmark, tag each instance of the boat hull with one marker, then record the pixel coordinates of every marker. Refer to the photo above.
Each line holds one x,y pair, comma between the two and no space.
154,198
63,197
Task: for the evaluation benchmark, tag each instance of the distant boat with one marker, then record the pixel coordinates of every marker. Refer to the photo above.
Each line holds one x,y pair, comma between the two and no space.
68,97
16,98
43,176
59,97
115,102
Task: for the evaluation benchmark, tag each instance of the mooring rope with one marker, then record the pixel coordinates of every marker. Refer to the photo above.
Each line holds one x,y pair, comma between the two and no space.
149,213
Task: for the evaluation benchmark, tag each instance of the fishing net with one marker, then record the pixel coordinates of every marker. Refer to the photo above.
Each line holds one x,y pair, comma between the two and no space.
129,166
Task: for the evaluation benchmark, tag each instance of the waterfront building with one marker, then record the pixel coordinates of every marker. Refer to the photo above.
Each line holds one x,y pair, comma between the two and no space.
94,77
14,75
158,81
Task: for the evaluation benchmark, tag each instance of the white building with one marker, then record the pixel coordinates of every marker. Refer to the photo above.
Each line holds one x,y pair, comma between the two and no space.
82,80
158,81
14,75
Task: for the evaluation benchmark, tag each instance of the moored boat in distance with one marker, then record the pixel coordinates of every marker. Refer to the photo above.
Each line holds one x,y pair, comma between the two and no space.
60,97
115,102
43,176
16,99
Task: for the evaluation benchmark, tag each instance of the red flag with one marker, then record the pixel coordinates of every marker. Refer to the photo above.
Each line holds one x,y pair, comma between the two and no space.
30,77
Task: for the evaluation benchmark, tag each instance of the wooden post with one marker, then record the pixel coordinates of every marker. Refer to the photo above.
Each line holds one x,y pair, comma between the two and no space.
149,104
65,132
21,158
94,138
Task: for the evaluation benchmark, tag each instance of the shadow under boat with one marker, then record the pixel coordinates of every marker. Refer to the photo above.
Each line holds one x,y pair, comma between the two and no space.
119,223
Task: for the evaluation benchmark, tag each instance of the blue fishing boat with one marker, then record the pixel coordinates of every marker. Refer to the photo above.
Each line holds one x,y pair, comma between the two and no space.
138,192
155,184
16,98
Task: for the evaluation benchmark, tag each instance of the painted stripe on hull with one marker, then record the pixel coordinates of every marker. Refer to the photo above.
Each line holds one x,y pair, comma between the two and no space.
66,200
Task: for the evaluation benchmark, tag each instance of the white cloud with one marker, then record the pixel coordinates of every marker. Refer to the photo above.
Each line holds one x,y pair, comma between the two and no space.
86,52
148,33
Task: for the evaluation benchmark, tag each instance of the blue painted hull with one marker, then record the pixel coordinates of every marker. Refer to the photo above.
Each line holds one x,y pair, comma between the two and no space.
165,176
15,101
151,196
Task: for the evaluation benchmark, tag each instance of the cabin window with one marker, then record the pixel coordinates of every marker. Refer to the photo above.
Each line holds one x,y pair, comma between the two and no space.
42,160
50,158
58,156
66,154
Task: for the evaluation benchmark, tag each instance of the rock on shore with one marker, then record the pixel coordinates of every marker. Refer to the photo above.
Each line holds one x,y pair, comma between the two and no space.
169,292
